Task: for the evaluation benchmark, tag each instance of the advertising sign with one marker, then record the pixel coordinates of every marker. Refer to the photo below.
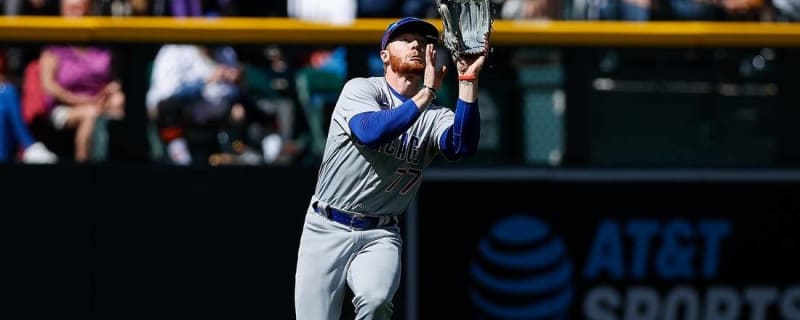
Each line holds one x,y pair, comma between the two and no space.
606,250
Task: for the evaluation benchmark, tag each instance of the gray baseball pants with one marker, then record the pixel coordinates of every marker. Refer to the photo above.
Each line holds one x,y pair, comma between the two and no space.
330,254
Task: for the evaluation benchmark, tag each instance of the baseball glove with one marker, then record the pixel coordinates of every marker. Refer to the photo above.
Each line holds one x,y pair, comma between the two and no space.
467,25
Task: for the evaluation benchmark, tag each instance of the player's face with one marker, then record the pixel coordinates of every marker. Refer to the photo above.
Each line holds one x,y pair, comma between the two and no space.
407,53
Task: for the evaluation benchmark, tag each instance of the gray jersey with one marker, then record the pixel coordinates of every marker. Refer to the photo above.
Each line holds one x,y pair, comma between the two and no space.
382,181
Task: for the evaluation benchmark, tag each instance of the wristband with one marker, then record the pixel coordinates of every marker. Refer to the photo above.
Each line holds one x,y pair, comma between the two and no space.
432,90
468,77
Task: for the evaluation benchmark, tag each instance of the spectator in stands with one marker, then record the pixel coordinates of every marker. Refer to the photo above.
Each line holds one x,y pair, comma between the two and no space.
80,85
13,131
192,87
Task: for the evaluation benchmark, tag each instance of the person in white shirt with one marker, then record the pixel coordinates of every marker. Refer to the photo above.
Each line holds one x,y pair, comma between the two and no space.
189,87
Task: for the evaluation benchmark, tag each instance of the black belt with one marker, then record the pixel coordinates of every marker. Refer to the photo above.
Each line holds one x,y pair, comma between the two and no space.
355,221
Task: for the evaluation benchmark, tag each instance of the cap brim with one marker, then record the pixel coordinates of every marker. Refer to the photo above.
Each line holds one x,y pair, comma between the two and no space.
421,27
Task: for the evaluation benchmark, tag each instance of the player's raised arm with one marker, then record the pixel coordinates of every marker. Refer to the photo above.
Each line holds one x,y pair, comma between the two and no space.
461,139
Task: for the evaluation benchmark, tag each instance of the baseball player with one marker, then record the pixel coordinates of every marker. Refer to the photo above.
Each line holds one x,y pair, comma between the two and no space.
384,132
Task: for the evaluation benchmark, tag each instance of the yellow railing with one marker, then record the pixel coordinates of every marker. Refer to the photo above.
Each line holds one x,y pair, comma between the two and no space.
367,31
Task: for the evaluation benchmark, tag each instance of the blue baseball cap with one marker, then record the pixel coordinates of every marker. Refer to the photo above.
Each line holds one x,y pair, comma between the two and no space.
409,24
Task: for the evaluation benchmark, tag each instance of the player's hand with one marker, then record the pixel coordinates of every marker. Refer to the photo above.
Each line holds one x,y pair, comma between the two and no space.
433,77
467,65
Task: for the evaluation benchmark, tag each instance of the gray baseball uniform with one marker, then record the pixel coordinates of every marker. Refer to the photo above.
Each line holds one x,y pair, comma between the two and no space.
355,178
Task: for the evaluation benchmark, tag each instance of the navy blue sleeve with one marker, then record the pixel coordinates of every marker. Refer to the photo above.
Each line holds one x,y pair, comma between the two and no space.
375,128
461,139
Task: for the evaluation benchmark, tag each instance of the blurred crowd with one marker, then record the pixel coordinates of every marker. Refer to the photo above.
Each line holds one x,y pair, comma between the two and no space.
220,104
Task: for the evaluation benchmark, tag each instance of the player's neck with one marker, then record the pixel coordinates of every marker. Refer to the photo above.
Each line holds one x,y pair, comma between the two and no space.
406,85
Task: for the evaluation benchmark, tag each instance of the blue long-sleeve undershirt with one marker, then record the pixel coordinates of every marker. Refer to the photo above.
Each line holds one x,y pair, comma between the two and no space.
375,128
461,139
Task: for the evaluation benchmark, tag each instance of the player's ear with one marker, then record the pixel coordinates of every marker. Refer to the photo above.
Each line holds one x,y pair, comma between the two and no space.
385,56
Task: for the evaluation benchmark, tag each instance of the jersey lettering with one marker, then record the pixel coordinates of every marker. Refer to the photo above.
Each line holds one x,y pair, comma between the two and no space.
414,150
401,149
405,147
390,147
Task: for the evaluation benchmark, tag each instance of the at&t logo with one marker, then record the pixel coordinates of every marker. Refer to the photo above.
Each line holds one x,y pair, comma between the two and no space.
521,271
